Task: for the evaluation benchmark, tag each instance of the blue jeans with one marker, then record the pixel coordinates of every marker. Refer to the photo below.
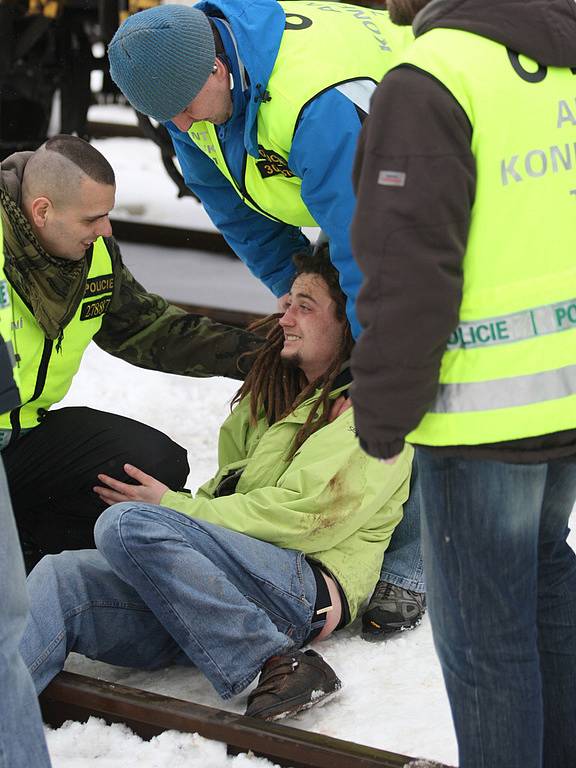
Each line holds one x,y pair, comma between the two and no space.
165,589
22,742
403,559
502,596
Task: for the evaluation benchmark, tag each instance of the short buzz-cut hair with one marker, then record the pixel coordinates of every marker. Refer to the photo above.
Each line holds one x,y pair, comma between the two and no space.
84,156
58,167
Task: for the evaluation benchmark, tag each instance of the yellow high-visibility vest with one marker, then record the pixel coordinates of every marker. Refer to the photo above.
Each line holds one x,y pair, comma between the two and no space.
509,370
46,372
353,48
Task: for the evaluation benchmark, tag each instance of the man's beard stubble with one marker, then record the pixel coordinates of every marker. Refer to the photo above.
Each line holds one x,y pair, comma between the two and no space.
291,361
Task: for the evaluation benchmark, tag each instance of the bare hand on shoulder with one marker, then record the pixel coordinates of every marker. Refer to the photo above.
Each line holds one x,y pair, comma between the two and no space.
148,489
339,405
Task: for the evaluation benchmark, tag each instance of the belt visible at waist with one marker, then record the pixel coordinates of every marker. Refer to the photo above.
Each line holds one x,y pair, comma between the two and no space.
324,601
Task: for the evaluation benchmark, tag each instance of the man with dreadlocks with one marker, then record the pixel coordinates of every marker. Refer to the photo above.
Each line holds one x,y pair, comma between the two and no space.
280,548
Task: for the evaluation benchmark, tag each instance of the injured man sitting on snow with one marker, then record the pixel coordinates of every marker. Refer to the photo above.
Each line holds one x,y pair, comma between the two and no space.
278,550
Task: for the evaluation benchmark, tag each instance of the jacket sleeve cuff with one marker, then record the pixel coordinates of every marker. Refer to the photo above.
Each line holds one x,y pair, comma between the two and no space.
281,287
382,450
177,500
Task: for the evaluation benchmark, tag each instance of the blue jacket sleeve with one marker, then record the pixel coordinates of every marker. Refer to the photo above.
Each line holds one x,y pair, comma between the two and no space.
322,155
264,245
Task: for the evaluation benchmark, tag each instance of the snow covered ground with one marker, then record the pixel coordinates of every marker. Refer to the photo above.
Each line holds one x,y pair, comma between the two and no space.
392,697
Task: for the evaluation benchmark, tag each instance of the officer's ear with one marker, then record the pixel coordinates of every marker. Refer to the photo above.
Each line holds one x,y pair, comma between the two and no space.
40,210
221,71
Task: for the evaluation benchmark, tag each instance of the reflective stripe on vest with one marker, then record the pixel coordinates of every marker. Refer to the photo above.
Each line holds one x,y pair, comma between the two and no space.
508,370
354,47
506,329
46,374
359,92
506,393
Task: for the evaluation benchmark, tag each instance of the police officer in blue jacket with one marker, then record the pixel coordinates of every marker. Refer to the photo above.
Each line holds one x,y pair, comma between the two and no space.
264,102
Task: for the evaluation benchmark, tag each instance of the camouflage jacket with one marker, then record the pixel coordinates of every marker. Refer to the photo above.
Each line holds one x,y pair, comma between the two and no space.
144,329
139,327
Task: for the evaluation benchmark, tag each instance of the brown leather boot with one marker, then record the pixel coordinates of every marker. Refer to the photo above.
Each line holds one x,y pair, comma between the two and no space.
291,683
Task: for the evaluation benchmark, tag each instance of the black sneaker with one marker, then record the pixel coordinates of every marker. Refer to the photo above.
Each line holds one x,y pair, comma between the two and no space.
392,609
291,683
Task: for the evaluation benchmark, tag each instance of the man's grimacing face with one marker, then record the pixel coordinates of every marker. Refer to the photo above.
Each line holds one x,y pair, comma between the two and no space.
312,332
402,12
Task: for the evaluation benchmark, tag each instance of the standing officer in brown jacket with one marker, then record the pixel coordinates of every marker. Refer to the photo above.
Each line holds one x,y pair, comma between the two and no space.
465,233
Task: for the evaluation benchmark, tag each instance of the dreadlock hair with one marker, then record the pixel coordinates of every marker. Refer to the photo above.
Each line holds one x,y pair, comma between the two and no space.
278,389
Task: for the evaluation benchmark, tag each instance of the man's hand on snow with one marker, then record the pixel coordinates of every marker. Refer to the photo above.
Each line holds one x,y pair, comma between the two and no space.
149,489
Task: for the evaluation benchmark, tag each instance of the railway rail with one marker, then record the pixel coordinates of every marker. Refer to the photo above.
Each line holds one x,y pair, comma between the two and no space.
236,317
157,234
77,697
192,239
169,237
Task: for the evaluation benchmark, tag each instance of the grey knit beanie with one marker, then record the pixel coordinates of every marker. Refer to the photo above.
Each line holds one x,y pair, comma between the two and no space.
161,58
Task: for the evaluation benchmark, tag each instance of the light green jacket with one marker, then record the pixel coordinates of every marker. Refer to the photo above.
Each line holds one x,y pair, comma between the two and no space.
331,501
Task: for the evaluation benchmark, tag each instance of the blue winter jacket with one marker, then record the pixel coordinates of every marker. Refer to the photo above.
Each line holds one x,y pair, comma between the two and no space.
325,167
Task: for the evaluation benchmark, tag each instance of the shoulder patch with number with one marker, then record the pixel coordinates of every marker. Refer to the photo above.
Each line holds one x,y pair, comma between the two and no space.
92,309
272,164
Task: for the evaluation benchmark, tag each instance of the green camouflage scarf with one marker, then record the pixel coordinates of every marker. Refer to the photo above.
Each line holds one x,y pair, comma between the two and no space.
52,288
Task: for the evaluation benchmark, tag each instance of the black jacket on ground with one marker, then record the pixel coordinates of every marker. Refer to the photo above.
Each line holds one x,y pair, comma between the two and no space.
410,243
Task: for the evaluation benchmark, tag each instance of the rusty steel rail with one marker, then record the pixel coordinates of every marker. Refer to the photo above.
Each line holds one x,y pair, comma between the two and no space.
77,697
101,130
170,237
236,317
